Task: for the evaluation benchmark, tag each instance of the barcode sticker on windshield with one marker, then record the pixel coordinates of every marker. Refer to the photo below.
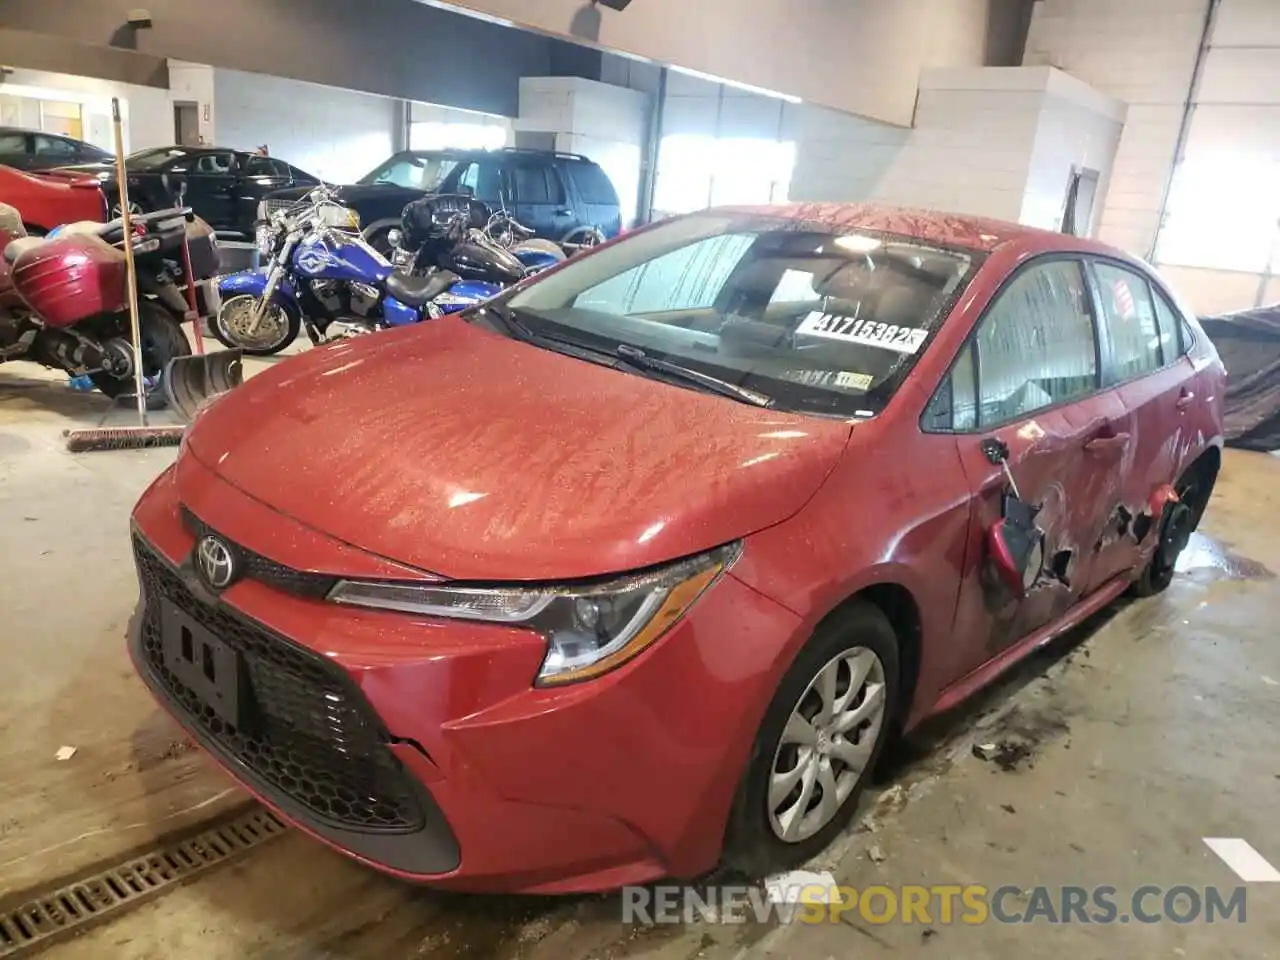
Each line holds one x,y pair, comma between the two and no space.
866,332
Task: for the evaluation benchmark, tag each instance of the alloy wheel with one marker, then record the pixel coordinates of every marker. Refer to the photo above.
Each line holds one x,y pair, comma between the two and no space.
135,209
826,744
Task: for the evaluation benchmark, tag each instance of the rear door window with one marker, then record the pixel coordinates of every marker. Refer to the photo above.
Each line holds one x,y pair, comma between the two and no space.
1175,338
1130,312
592,183
536,183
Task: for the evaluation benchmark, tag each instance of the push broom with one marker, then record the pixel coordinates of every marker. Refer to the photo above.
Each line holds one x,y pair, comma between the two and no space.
143,435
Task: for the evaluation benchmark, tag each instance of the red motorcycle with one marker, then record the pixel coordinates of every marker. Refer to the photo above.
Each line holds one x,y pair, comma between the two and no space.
64,300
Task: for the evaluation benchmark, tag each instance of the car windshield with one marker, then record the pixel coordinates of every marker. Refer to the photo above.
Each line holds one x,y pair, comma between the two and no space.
417,171
157,156
816,320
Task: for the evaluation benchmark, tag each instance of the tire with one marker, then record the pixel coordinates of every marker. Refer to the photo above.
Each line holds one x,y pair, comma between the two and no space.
218,327
753,843
380,241
162,339
1177,522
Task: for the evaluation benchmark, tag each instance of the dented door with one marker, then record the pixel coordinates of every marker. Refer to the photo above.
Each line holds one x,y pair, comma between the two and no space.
1031,376
1064,460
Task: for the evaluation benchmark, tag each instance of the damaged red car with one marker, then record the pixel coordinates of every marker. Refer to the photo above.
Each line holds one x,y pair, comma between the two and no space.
637,568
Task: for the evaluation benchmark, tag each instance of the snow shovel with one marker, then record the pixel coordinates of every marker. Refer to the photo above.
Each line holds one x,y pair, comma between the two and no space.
192,383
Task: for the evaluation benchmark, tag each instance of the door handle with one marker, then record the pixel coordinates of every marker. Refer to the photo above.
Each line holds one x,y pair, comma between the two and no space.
564,212
1185,398
1108,443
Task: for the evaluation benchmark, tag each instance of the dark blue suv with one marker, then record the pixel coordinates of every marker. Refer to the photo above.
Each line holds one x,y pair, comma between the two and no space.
562,197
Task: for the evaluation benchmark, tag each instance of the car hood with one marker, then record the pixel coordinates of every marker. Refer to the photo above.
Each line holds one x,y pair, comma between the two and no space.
476,457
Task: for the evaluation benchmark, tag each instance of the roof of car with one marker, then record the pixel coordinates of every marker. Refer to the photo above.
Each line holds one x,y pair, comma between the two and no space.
932,226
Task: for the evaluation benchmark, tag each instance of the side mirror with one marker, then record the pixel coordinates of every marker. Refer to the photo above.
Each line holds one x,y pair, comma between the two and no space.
394,237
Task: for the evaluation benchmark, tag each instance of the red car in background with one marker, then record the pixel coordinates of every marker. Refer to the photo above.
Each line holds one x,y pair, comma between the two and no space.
47,200
639,566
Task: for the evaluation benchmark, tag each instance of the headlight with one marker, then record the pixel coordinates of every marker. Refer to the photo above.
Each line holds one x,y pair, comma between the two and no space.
589,629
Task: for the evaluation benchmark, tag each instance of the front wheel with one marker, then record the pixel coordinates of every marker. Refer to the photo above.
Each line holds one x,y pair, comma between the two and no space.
278,329
819,742
163,339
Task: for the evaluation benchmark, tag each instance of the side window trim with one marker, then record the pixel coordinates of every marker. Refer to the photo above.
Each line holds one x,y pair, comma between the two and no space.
1100,352
557,197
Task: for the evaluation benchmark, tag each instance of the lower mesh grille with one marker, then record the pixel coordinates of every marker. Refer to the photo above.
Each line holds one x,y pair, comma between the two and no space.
313,738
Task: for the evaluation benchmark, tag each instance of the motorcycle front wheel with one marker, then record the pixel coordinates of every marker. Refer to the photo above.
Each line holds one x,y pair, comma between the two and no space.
163,339
278,329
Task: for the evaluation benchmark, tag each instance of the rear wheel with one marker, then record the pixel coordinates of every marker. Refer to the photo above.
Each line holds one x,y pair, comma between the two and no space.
818,744
163,339
1178,521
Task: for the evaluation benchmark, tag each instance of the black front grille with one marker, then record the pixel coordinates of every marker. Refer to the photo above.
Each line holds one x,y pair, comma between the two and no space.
265,570
314,739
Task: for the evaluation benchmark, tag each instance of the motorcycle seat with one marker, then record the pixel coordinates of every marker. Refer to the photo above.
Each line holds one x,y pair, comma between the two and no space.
417,291
92,228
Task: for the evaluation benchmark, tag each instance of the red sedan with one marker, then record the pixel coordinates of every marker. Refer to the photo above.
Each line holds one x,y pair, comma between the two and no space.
638,567
48,200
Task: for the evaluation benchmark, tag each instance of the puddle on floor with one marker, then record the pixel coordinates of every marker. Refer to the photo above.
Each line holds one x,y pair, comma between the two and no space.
1208,559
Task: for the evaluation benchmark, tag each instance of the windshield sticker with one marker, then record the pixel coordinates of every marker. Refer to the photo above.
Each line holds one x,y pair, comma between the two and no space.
841,379
866,332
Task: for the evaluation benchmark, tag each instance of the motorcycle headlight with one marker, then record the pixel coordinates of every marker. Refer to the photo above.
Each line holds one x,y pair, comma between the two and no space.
589,629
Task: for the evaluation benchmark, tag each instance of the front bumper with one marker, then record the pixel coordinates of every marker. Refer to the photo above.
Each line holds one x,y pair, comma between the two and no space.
421,747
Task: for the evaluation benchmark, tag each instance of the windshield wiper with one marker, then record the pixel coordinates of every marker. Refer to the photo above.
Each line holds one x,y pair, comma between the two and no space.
521,331
636,357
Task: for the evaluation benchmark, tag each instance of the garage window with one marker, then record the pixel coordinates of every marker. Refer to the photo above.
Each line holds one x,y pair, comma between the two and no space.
1034,348
1127,306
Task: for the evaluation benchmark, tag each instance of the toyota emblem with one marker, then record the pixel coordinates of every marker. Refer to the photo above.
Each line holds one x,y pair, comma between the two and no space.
216,562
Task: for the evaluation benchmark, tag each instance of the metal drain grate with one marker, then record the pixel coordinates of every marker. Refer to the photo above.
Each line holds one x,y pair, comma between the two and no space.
68,909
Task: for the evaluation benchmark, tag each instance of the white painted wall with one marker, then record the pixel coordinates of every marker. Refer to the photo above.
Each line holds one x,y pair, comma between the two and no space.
1142,52
338,135
999,142
1079,129
1220,240
146,111
194,83
601,121
861,56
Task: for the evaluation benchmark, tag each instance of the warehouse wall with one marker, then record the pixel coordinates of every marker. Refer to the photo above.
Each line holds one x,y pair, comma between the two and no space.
858,56
147,112
338,135
1142,52
1219,239
990,141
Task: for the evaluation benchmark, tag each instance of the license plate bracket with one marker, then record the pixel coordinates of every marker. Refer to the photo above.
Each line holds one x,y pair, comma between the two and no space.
214,671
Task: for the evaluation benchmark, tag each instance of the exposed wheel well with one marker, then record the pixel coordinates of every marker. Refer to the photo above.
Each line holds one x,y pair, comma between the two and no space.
903,613
1207,465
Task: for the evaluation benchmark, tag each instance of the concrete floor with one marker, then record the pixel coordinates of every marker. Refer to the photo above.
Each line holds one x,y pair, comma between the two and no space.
1154,726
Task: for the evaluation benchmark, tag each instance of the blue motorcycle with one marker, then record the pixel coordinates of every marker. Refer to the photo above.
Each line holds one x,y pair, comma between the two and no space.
323,277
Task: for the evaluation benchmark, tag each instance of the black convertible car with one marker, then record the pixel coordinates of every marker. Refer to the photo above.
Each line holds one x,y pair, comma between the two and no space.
223,186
